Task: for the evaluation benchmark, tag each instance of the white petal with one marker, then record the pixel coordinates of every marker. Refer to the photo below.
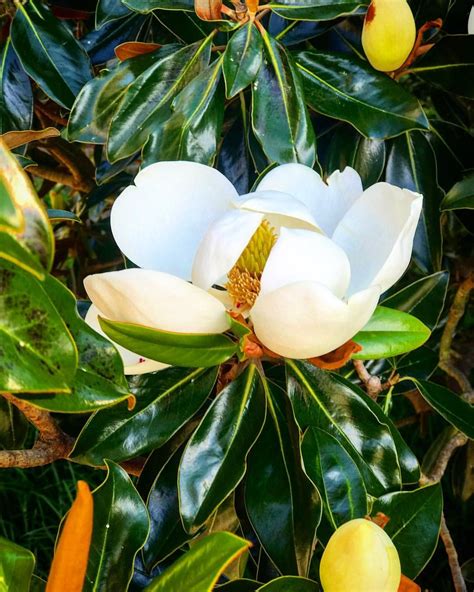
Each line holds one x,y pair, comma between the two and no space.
156,300
327,203
377,235
305,319
159,222
470,23
300,255
281,209
222,245
133,363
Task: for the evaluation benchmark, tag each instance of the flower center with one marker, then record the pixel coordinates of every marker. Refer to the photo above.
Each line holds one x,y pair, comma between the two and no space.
244,278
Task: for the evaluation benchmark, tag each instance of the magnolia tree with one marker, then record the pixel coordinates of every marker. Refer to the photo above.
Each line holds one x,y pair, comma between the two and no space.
235,270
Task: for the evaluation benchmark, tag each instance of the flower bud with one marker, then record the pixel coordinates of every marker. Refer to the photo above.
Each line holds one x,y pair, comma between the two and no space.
360,557
389,34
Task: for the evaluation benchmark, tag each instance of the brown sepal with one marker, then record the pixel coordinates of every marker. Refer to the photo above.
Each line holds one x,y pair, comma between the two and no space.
407,585
337,358
208,10
132,49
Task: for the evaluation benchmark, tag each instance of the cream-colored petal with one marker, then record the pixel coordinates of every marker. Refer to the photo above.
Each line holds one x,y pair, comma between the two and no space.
470,22
159,222
156,300
326,202
133,363
377,235
304,255
305,319
222,245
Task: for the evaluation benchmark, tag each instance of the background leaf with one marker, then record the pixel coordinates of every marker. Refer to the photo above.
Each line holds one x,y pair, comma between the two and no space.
16,566
461,196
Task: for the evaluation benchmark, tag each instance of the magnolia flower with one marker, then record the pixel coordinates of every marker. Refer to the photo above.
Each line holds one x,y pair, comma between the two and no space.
305,261
470,22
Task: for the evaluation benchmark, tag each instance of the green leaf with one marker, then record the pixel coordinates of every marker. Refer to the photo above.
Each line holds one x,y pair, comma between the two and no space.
120,530
35,234
13,426
16,96
424,298
335,475
149,5
450,65
37,352
49,52
449,405
239,585
176,349
214,460
414,524
349,148
461,196
13,251
59,215
109,10
242,59
348,88
316,10
192,131
290,584
412,165
148,98
280,119
390,333
285,518
99,99
321,400
165,402
16,567
199,569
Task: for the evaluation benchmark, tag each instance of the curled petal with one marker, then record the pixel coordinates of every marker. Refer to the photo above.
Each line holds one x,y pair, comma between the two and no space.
377,234
305,319
327,202
157,300
159,222
301,255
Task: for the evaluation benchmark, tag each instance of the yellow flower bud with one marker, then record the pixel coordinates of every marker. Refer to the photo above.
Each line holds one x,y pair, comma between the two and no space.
389,34
360,557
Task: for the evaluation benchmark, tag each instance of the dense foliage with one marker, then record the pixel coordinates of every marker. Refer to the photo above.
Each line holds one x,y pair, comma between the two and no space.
280,454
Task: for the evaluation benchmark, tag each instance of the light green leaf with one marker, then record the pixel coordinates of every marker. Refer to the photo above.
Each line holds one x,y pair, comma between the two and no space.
461,196
16,567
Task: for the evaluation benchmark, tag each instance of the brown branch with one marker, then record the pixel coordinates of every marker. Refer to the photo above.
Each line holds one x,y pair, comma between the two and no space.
444,456
52,443
373,384
59,177
458,580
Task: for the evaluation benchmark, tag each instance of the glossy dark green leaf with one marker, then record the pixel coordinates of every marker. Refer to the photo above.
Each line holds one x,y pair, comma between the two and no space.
166,529
214,460
348,88
13,426
317,10
412,165
34,232
234,156
290,584
16,567
239,585
389,333
280,119
243,58
37,352
147,100
414,524
450,64
176,349
461,196
201,567
49,53
63,215
424,299
120,530
109,10
283,505
192,131
165,402
149,5
336,476
349,148
449,405
16,96
321,400
100,98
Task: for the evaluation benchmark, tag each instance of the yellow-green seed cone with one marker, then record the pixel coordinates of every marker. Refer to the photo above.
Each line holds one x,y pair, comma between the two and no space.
389,34
360,557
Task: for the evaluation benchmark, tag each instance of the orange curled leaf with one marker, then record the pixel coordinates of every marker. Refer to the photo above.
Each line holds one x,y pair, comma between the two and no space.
132,49
407,585
337,358
69,566
15,139
380,519
208,10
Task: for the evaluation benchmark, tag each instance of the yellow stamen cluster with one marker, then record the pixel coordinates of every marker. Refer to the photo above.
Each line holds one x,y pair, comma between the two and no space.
244,278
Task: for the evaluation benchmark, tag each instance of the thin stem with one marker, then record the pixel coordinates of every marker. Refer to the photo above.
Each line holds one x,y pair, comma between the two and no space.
458,580
373,384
